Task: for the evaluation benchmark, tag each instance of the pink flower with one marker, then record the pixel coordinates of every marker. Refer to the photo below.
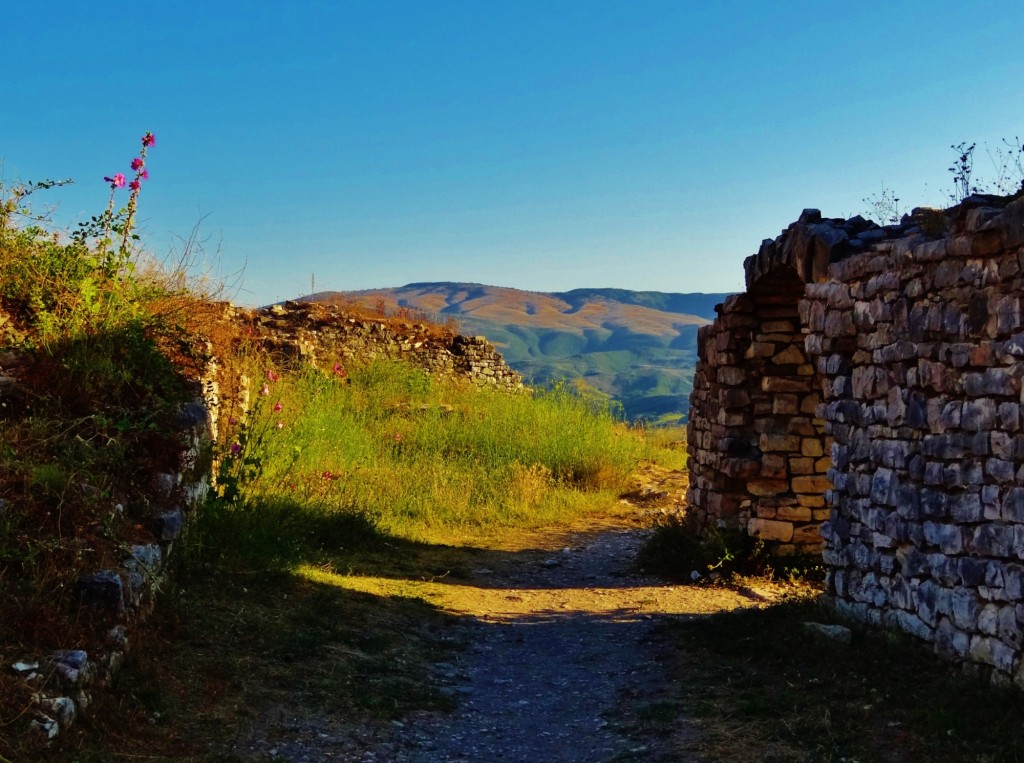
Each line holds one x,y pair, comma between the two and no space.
144,174
272,376
135,185
398,436
278,407
117,181
280,425
265,390
327,475
236,448
340,370
232,420
149,139
137,163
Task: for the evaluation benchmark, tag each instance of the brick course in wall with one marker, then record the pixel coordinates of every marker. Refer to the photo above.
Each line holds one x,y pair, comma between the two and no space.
863,400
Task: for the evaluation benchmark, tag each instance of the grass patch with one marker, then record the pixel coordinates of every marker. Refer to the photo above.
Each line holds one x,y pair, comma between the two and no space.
417,457
764,688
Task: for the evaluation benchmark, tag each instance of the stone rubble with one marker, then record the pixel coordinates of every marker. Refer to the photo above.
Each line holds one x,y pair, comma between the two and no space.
322,334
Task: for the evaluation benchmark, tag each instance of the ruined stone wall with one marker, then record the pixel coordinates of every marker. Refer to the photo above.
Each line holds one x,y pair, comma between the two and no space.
325,334
913,337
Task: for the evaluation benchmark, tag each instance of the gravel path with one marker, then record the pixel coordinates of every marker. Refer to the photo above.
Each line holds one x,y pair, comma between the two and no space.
562,654
570,638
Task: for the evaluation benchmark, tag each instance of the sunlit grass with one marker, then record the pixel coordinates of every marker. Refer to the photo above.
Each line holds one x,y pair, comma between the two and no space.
419,458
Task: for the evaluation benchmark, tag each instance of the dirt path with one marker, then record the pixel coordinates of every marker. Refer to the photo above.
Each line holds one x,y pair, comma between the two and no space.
561,662
556,650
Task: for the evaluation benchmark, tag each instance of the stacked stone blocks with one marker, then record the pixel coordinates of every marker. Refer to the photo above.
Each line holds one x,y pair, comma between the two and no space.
915,338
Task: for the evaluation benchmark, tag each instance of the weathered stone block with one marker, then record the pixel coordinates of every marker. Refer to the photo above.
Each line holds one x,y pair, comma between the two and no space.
882,486
778,442
932,601
1012,509
964,608
950,641
801,466
760,350
767,487
807,534
773,466
965,507
103,589
786,404
770,529
169,524
972,572
908,501
731,375
791,355
793,513
800,425
785,384
1008,629
815,485
999,470
1001,445
1009,417
948,538
988,619
741,468
812,446
993,381
991,651
735,398
993,540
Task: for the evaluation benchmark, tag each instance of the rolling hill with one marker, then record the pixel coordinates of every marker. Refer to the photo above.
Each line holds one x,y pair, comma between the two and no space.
638,347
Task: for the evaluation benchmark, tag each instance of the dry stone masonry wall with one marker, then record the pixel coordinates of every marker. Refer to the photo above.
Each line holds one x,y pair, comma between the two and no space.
320,333
865,394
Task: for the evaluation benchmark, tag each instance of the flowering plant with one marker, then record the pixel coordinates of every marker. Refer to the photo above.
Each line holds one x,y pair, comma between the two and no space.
121,223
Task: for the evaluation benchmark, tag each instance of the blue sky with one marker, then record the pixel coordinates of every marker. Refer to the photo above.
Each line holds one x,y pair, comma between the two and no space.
540,145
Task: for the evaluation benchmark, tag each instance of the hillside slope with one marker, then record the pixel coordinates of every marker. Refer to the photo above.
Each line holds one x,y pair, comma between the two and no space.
638,347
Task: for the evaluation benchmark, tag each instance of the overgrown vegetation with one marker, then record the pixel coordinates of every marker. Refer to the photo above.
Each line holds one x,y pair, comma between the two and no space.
389,448
94,397
680,548
96,347
1006,179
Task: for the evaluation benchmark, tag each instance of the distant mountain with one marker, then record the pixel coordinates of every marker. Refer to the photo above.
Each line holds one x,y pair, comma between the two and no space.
638,347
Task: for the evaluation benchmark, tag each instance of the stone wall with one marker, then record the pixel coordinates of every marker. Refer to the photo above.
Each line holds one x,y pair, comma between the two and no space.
909,381
324,334
112,601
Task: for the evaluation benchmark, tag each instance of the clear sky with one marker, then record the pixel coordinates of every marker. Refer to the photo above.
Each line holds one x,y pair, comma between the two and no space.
539,144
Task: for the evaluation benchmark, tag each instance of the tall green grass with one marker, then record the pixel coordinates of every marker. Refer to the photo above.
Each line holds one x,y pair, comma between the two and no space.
421,458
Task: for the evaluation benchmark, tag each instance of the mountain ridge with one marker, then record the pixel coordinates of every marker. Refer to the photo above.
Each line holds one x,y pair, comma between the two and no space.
637,347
